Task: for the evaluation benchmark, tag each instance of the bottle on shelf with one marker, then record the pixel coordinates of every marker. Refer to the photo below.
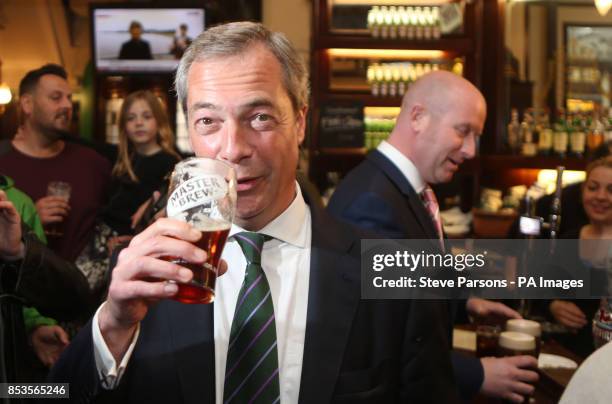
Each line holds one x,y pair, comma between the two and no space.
528,147
435,12
412,22
419,23
545,138
577,135
427,23
395,80
371,77
387,81
560,136
608,127
397,22
387,22
380,22
402,86
596,133
514,132
372,21
404,19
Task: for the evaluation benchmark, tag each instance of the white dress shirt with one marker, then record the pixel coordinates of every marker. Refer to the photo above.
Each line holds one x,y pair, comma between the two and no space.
403,164
286,263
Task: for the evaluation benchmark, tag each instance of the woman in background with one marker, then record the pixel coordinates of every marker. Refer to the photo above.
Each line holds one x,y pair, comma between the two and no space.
146,155
576,315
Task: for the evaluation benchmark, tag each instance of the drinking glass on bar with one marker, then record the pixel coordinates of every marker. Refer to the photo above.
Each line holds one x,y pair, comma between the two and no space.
529,327
512,343
487,340
202,193
62,190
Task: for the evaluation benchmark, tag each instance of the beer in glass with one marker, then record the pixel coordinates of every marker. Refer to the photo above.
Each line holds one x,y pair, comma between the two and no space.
486,340
202,193
529,327
62,190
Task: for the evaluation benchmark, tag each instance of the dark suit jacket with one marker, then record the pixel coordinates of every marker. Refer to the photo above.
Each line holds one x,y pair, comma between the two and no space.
377,196
357,351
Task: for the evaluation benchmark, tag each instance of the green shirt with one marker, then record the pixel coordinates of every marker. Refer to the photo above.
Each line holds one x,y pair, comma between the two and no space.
27,210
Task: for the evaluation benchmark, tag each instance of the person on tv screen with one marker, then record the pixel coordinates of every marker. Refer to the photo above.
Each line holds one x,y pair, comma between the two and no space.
136,47
181,42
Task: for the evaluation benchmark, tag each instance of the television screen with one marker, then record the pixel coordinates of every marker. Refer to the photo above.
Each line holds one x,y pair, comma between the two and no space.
143,39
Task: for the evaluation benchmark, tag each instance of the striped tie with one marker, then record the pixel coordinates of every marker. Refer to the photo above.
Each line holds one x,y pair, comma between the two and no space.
251,372
431,204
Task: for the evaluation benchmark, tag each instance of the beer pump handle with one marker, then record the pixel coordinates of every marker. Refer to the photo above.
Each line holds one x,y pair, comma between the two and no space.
555,210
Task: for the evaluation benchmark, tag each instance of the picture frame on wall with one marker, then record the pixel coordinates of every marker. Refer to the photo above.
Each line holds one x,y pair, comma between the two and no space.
588,66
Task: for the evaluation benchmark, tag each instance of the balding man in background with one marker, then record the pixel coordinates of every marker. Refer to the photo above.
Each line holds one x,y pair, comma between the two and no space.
441,118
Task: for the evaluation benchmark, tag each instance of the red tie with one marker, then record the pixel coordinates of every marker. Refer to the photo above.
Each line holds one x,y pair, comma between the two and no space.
431,204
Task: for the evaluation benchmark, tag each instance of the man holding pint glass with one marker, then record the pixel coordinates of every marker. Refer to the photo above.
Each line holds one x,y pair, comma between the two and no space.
287,323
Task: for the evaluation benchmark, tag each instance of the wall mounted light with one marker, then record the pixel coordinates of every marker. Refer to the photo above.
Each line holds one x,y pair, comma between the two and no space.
603,6
5,92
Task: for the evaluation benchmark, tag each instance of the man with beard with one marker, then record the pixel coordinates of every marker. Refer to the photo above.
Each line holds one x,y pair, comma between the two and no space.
37,155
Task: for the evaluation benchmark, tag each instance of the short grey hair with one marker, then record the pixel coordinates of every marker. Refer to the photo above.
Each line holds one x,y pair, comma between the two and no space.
237,37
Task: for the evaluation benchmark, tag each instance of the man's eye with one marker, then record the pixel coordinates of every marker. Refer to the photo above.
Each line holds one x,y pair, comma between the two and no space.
206,125
204,121
263,122
464,130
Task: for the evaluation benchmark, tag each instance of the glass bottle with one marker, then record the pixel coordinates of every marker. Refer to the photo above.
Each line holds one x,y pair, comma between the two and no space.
602,323
371,76
395,80
427,23
596,133
514,132
545,140
578,136
413,21
435,13
420,22
380,21
387,22
372,20
395,22
560,136
404,18
403,84
528,147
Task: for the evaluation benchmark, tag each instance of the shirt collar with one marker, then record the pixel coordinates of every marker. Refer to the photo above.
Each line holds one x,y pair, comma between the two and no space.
289,226
403,163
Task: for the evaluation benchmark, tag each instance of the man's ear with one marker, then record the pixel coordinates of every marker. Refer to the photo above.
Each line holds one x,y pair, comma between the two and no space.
26,102
418,118
301,124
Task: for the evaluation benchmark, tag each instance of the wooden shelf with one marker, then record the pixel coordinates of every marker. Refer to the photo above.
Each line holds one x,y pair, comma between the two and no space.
453,45
505,162
368,100
590,63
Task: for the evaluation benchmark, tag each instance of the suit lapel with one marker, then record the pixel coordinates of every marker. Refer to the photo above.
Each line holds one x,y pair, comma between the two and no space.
333,296
401,182
194,347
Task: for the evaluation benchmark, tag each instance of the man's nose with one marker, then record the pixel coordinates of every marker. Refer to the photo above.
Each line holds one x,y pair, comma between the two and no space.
67,103
235,145
468,150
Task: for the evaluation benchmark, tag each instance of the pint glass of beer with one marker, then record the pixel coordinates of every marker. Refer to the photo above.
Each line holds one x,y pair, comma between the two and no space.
62,190
202,193
529,327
